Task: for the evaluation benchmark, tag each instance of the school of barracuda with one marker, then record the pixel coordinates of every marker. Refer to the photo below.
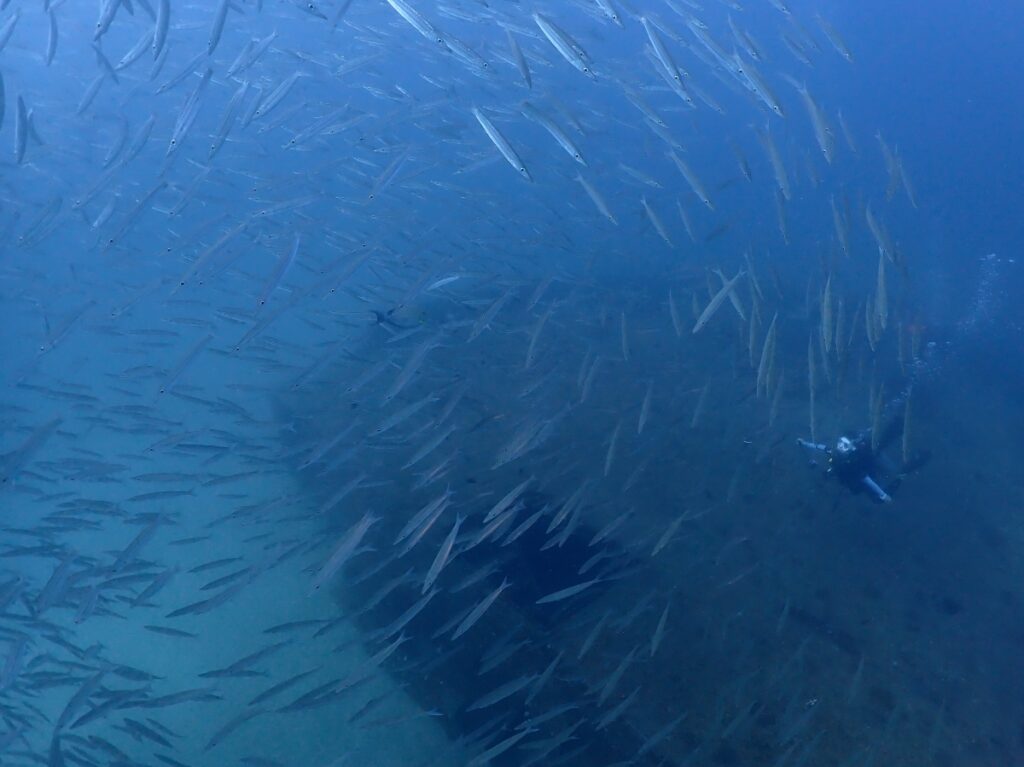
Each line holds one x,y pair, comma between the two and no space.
343,326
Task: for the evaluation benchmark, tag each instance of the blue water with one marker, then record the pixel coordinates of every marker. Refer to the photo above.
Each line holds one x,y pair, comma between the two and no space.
367,399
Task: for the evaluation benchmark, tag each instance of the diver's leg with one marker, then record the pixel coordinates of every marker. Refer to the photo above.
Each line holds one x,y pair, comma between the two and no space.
875,488
819,446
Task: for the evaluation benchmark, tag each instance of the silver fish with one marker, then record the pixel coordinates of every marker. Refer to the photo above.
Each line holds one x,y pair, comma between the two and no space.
501,143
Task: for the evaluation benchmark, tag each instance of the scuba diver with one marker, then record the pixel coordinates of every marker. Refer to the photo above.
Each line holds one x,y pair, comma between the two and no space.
852,462
858,461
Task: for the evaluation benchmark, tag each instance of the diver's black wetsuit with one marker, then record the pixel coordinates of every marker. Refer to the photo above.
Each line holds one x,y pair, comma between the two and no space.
853,465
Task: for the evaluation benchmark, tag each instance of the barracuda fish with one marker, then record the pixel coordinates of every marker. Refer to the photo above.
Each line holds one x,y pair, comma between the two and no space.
822,130
879,233
734,299
108,10
758,85
685,218
531,351
658,45
412,365
767,356
21,131
615,677
520,443
664,134
568,48
520,60
609,456
443,555
430,446
556,132
643,178
15,461
745,41
834,38
417,21
466,55
675,85
503,692
429,511
568,592
881,294
189,112
507,500
839,223
659,630
716,302
486,757
489,314
220,16
8,28
277,95
637,100
477,612
656,222
781,177
161,25
609,11
251,53
719,56
402,415
281,268
344,549
827,328
501,143
692,180
51,41
134,54
596,198
673,310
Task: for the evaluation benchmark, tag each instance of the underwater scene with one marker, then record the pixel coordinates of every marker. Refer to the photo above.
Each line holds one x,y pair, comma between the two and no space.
453,383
